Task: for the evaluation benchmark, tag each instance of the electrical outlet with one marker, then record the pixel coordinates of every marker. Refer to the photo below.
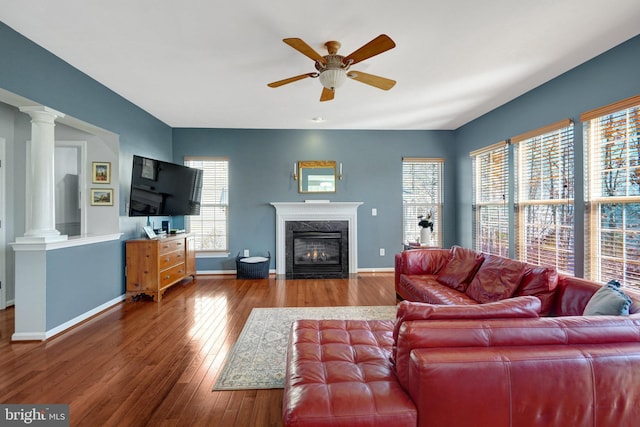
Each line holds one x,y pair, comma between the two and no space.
381,251
246,253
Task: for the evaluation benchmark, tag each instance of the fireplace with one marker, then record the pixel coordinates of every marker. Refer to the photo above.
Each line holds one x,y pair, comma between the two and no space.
317,249
318,212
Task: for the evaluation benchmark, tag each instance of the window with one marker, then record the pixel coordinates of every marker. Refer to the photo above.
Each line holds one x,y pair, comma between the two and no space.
490,199
612,192
210,228
421,195
545,196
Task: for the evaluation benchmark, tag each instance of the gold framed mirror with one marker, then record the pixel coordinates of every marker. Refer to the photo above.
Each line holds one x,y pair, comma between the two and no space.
317,176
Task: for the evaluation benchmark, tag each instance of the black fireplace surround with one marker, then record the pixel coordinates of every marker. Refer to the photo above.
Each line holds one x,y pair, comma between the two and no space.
317,249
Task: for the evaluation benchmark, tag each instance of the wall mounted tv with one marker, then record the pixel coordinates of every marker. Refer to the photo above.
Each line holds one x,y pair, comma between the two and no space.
161,188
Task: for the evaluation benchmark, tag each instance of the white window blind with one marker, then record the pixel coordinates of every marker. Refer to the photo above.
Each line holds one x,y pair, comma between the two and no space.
422,195
545,196
490,199
612,191
210,228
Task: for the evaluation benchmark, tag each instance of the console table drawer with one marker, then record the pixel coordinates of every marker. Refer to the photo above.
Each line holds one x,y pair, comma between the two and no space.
171,259
171,275
166,246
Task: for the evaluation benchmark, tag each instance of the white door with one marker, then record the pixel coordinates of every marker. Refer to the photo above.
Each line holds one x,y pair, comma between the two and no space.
3,234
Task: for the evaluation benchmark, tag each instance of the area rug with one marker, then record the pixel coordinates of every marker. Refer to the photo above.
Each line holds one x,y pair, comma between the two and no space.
257,360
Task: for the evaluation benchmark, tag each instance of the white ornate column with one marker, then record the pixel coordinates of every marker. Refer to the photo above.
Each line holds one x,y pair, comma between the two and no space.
40,221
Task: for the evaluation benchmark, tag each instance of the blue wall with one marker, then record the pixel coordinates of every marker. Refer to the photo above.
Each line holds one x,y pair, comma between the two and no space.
260,165
610,77
71,295
34,73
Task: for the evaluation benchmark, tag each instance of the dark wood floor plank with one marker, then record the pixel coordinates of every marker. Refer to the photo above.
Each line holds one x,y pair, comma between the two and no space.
155,364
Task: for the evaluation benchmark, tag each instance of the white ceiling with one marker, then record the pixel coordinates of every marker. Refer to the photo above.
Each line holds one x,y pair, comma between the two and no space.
206,63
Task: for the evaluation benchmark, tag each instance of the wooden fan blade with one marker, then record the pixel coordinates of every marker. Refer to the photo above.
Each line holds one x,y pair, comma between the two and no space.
305,49
327,94
291,80
370,79
380,44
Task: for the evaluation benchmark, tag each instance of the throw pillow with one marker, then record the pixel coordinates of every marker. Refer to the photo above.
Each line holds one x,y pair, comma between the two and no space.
540,281
497,279
608,300
462,265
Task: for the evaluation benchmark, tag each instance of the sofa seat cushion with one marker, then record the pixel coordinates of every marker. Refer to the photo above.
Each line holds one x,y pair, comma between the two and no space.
426,288
461,266
496,279
339,374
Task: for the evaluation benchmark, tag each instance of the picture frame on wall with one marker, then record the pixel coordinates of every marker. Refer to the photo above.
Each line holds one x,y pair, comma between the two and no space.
101,172
102,197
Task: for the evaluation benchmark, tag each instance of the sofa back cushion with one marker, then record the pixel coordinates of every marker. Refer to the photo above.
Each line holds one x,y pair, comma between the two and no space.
540,281
460,268
424,261
507,309
543,331
496,279
521,307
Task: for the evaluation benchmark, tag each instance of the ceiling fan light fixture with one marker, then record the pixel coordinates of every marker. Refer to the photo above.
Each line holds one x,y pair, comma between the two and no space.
333,78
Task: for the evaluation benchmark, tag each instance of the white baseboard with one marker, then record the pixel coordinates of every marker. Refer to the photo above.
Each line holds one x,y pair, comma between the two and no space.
272,271
376,270
214,272
83,316
28,336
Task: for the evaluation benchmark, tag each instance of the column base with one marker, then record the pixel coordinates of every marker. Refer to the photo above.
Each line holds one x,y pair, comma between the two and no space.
42,239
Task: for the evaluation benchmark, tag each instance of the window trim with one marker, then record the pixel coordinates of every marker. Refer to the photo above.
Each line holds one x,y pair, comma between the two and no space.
594,200
212,253
501,147
438,207
521,205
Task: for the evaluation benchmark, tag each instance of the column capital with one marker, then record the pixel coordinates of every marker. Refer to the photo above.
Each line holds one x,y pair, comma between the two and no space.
41,112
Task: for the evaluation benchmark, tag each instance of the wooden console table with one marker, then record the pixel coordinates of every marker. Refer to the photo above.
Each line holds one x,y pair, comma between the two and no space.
153,265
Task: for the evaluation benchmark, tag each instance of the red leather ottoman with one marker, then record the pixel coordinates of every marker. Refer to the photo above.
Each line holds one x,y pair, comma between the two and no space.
339,374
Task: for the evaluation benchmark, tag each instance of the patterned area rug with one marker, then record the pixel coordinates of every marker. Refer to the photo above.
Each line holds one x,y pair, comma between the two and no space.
257,360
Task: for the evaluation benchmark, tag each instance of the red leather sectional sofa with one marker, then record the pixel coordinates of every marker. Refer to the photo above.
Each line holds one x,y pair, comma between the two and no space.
514,351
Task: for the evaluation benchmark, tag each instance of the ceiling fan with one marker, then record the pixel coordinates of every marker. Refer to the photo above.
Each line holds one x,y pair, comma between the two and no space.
333,69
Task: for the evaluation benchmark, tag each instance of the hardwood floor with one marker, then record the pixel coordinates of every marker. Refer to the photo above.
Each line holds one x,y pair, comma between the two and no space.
155,364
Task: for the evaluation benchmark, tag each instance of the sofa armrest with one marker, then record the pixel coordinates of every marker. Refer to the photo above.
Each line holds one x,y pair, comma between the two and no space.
573,295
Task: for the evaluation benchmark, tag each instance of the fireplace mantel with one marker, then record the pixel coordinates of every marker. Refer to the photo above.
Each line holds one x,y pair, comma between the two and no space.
316,211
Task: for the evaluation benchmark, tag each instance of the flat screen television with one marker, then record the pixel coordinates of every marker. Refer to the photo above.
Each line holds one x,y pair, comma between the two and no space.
160,188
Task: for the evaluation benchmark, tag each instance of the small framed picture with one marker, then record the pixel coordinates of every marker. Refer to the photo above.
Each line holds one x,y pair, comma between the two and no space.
102,197
101,172
150,233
